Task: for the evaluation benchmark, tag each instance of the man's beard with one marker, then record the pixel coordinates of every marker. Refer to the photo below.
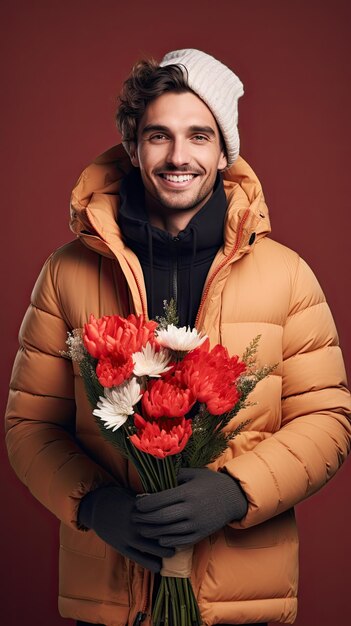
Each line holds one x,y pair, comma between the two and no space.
162,196
177,204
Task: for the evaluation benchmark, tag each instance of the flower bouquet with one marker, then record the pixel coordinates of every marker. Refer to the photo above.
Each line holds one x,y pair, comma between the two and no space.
166,401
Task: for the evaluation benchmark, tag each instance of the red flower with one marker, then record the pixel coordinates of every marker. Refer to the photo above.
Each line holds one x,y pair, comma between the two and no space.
129,334
162,438
94,336
222,398
167,397
211,376
114,334
114,370
196,374
113,339
230,367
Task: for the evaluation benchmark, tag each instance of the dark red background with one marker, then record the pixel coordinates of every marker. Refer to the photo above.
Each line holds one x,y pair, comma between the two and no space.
63,63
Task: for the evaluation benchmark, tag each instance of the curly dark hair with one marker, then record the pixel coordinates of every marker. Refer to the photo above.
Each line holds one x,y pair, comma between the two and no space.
147,80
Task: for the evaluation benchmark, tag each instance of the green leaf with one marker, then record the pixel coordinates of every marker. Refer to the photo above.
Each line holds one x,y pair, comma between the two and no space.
170,314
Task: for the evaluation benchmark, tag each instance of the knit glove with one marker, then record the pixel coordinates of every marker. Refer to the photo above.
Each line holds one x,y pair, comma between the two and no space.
203,502
108,511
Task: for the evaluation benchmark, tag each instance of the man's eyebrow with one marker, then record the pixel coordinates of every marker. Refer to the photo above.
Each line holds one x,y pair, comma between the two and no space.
203,129
164,129
152,127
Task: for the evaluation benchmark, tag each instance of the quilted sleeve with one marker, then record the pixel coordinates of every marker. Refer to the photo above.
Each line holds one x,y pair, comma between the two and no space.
315,434
40,415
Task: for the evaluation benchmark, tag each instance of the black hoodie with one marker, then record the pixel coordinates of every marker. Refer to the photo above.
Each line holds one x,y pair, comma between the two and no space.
173,267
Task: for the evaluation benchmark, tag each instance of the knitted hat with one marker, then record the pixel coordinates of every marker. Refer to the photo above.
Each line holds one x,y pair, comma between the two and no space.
217,86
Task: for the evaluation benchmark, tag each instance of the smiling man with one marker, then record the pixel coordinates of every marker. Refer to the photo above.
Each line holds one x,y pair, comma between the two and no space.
179,151
177,213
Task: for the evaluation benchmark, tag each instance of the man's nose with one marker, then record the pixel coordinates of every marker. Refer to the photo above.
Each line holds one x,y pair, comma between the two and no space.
178,154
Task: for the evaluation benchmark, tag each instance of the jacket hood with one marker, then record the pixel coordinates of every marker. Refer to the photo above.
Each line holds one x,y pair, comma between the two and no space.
95,202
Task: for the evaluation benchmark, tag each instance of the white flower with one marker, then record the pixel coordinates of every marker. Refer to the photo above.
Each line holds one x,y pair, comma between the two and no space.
117,403
181,339
148,362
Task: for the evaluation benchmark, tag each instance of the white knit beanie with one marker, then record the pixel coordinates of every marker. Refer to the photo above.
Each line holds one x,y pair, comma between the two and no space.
217,86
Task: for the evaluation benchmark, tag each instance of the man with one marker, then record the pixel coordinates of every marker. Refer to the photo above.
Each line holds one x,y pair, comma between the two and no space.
183,217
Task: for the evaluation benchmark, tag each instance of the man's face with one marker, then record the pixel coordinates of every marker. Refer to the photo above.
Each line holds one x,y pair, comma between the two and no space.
178,151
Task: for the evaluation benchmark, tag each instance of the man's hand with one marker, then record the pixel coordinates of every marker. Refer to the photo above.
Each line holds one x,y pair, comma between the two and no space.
108,511
203,502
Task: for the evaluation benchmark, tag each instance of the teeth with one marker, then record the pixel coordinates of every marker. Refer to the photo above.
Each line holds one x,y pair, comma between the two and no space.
178,179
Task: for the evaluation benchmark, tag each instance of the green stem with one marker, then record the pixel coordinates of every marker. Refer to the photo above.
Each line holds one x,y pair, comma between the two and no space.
174,610
152,464
175,601
171,475
159,602
183,616
185,583
161,473
145,471
167,600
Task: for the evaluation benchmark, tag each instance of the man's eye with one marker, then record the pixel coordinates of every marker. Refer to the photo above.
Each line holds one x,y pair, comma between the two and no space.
200,138
158,137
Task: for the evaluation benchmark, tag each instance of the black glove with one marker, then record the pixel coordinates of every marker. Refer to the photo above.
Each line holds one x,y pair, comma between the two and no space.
108,511
203,502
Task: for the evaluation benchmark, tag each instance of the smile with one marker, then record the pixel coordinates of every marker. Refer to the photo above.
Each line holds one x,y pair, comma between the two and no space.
178,178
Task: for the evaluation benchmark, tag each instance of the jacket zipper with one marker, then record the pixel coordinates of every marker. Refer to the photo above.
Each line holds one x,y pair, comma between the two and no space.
223,264
139,618
141,615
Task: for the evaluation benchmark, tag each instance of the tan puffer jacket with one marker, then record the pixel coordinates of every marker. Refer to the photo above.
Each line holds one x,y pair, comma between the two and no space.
296,440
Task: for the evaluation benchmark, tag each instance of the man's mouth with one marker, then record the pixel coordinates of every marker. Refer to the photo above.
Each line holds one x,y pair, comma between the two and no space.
177,178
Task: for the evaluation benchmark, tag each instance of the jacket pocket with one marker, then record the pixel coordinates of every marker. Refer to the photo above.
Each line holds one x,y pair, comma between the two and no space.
277,530
81,542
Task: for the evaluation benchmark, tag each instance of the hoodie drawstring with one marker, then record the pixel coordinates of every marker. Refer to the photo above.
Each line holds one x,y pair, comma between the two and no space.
151,271
191,267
